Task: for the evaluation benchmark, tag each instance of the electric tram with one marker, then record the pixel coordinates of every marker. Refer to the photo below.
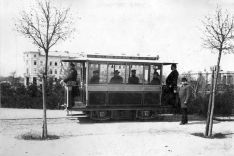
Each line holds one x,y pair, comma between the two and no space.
102,98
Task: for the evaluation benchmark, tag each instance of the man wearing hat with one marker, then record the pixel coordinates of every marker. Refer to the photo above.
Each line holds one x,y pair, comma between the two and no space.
70,80
185,92
116,78
171,84
133,79
172,78
95,78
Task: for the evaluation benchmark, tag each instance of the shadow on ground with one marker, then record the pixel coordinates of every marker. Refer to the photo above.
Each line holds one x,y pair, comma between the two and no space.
214,136
36,136
86,120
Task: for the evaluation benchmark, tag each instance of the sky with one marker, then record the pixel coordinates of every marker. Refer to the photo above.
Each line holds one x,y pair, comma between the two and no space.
171,29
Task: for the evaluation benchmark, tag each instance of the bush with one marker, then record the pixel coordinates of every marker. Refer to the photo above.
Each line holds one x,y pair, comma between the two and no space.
223,103
199,105
19,96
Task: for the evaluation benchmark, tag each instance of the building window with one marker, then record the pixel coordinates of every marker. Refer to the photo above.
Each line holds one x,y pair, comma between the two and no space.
41,62
35,70
50,63
55,71
35,55
27,70
55,63
34,80
35,62
27,81
51,72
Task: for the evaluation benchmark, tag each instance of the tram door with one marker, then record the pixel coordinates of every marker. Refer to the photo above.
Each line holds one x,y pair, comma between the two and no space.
81,75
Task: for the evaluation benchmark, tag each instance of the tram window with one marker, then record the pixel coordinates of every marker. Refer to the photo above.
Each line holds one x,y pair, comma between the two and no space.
146,75
152,75
135,74
116,73
97,73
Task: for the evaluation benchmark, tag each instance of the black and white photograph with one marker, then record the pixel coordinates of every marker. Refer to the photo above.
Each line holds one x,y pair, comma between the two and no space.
116,77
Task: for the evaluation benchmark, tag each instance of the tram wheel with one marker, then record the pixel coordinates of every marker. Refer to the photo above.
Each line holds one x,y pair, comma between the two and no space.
145,114
100,115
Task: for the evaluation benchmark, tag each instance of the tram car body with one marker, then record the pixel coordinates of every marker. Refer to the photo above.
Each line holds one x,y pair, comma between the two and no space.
103,99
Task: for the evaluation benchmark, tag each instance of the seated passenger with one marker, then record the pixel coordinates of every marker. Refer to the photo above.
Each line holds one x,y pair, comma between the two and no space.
156,79
133,79
95,78
116,78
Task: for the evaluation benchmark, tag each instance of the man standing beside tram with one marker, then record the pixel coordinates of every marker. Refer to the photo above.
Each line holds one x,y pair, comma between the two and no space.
171,84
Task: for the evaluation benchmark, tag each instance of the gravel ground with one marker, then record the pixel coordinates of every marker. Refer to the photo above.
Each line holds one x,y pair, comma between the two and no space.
123,138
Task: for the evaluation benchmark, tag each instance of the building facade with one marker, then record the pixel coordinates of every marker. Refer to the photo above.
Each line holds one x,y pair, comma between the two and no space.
35,65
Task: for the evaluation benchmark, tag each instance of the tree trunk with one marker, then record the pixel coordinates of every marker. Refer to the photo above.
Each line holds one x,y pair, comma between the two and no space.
44,86
0,95
209,105
44,127
213,96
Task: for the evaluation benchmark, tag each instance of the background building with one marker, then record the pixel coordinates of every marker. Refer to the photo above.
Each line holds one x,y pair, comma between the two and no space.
35,65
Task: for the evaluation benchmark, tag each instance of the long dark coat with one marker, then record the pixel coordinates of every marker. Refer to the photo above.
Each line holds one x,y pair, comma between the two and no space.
172,78
185,92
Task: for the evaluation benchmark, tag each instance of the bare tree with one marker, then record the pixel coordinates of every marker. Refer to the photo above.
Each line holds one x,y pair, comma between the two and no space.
45,25
218,36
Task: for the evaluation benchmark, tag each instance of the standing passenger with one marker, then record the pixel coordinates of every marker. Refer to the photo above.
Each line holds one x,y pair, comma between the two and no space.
184,95
70,81
171,87
172,78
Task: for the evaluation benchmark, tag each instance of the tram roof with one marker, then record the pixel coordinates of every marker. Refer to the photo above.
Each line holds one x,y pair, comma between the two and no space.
118,59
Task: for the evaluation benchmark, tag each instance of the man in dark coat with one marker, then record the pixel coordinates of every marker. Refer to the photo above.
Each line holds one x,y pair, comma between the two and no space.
171,87
185,92
116,79
70,81
133,79
95,79
172,78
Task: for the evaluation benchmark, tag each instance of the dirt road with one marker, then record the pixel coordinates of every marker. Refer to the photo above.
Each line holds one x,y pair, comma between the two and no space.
114,138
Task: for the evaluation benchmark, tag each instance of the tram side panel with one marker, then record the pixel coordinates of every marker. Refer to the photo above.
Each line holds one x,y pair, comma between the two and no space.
123,96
